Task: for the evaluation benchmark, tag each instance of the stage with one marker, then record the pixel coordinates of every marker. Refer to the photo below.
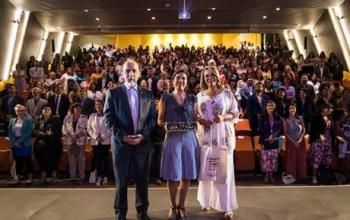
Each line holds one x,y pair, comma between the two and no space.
255,203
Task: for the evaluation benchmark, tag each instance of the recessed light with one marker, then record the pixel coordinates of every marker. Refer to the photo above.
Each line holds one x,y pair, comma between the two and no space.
148,9
264,17
167,5
85,10
213,9
277,9
153,18
209,17
97,19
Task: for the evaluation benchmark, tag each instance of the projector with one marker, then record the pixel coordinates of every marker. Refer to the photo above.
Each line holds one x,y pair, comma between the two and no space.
184,15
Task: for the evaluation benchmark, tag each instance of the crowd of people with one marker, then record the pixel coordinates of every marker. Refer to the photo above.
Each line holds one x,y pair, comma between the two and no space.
63,99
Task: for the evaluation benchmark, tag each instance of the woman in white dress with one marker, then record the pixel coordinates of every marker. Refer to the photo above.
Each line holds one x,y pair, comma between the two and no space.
217,110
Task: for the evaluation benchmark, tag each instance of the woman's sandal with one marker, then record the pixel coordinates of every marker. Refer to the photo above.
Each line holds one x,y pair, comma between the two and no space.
205,209
182,214
229,215
173,215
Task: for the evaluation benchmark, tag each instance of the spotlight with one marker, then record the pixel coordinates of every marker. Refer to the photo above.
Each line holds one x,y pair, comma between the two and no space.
97,19
277,9
85,10
153,18
209,17
184,15
148,9
264,17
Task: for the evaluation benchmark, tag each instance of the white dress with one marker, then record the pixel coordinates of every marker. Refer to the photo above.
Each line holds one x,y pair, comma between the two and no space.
217,142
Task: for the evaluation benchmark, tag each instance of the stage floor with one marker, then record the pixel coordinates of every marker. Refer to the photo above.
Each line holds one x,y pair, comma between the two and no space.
255,203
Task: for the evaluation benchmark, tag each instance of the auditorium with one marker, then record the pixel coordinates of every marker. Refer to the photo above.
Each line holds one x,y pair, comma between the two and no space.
174,109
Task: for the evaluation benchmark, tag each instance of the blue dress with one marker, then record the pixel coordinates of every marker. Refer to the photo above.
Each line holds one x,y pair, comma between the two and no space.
180,158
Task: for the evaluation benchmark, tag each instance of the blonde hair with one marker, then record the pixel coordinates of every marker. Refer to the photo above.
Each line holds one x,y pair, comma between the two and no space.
211,67
19,107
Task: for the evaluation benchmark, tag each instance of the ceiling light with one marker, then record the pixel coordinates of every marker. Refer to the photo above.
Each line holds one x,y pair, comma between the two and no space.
213,9
264,17
148,9
85,10
277,9
209,17
97,19
167,5
153,18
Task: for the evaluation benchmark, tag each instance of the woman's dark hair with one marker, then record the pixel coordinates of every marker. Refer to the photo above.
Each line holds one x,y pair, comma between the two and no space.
73,106
48,105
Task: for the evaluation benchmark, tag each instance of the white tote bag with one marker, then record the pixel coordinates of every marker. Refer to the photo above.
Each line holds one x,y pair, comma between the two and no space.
213,164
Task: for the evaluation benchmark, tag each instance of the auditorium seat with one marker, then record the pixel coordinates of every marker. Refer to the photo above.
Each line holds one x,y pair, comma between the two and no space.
244,154
5,160
243,128
5,143
88,157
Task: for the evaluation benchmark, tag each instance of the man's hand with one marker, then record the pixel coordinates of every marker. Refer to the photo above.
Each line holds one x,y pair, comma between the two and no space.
133,139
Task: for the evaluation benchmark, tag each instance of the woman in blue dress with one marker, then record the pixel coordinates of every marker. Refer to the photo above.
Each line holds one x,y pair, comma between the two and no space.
180,160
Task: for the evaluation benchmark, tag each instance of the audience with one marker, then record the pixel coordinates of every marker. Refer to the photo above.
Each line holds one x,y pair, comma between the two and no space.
256,76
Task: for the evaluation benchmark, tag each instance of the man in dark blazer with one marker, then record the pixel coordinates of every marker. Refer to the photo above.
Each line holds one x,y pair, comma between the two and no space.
87,103
59,101
8,103
322,72
256,106
129,112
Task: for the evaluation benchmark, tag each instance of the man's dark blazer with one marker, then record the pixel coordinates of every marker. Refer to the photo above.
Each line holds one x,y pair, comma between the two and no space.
326,73
254,110
64,105
118,114
88,105
4,104
118,119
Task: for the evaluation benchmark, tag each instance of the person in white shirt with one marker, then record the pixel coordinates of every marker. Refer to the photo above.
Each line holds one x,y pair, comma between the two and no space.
315,83
100,141
52,79
65,78
74,133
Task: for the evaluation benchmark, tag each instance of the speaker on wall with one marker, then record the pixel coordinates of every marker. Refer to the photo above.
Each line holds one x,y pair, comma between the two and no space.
305,43
53,45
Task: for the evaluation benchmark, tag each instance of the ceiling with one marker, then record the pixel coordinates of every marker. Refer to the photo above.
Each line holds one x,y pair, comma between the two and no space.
131,16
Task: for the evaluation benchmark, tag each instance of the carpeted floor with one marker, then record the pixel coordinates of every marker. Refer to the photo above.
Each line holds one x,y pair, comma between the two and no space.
255,203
